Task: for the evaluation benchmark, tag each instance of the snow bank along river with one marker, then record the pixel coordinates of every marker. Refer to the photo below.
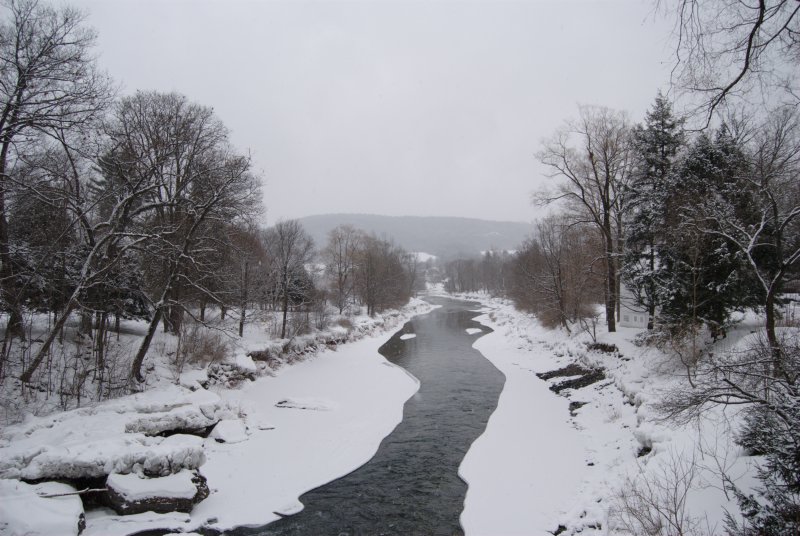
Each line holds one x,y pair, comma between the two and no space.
411,485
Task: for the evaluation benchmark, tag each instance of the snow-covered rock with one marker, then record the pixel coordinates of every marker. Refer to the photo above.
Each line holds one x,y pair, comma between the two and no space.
109,438
229,431
24,511
200,410
245,362
194,378
132,494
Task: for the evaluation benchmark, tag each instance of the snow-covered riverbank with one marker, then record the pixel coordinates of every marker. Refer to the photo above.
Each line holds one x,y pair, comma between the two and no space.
557,463
306,425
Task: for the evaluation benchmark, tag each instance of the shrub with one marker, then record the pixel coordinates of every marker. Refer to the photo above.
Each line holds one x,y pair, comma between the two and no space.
200,346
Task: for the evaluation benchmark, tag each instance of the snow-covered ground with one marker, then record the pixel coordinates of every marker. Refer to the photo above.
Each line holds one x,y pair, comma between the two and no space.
277,437
544,465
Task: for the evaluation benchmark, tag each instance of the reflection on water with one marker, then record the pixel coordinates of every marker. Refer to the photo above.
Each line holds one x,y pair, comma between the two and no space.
411,485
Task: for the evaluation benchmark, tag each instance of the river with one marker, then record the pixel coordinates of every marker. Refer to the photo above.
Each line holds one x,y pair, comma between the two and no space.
411,485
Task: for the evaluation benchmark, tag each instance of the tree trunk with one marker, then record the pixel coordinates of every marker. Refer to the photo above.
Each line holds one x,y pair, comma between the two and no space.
611,277
136,367
86,323
244,300
285,314
651,306
772,339
175,319
14,327
45,347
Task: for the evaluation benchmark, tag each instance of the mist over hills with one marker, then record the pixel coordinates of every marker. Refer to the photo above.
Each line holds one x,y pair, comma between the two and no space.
444,237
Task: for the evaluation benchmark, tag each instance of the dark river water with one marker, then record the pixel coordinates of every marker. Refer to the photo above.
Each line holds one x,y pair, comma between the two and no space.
411,486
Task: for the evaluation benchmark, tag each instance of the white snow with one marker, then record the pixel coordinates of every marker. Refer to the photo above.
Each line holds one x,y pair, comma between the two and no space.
245,362
105,522
24,512
473,331
132,487
229,431
529,462
407,336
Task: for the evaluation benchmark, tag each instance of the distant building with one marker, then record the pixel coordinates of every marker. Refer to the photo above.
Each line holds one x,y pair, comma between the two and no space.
631,315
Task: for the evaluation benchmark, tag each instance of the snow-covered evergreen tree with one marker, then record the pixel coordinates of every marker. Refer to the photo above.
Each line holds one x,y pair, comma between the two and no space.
701,277
656,145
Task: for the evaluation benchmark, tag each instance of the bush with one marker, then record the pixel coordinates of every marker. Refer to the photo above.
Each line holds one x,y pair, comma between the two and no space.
200,346
653,503
772,430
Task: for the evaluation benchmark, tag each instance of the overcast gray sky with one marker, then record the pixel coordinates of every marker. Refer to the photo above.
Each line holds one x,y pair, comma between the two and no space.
391,107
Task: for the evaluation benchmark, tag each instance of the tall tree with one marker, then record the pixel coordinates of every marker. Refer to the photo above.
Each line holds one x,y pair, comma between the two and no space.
592,155
48,84
701,276
655,149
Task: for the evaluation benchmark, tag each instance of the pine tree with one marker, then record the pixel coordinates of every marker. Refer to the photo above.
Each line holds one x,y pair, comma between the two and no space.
656,145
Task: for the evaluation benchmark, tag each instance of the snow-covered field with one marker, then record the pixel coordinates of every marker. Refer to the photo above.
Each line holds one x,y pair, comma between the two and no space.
284,434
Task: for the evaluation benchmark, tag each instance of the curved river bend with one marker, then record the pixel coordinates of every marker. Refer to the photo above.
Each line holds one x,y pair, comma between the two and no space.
411,485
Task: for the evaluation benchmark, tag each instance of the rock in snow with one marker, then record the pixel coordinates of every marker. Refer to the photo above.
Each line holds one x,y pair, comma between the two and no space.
229,431
312,404
23,510
132,494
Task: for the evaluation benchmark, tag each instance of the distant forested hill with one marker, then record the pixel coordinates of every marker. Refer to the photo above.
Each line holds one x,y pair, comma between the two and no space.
441,236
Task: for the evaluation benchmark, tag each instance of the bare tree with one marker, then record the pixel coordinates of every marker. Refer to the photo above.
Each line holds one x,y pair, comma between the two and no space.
195,181
552,272
381,277
289,248
248,254
340,255
48,84
593,155
728,46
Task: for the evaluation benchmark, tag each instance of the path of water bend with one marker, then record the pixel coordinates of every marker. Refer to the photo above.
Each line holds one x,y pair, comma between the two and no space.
411,485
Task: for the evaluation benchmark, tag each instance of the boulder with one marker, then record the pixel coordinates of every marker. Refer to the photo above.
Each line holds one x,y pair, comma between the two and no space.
132,494
229,431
